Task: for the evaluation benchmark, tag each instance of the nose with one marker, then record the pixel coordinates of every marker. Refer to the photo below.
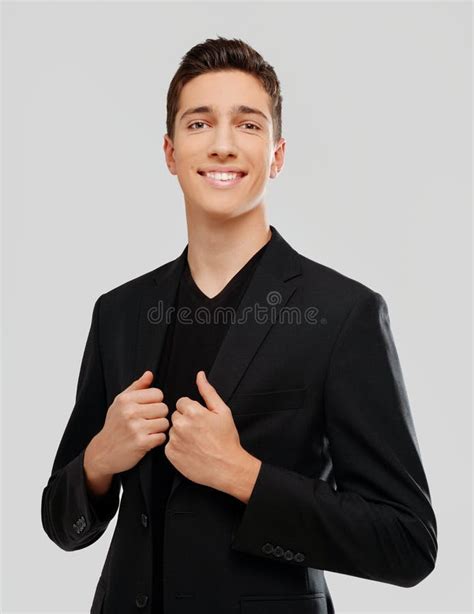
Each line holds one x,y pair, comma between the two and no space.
223,143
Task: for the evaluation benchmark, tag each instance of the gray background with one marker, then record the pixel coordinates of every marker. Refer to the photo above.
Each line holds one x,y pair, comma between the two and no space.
376,184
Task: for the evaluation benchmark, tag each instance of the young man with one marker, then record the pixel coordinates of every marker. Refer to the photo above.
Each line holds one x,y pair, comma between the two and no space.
254,451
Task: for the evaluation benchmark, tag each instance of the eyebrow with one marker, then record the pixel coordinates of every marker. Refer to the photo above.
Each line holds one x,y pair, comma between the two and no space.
236,109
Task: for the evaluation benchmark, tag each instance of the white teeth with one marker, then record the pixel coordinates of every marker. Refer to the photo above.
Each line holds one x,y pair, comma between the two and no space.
222,176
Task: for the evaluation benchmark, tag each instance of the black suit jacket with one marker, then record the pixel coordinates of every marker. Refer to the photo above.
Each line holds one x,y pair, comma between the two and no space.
317,393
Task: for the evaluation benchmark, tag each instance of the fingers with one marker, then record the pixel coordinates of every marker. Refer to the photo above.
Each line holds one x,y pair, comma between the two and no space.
144,381
157,425
148,395
150,411
156,439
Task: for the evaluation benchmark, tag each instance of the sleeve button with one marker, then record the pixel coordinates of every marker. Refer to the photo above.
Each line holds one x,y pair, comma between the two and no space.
141,600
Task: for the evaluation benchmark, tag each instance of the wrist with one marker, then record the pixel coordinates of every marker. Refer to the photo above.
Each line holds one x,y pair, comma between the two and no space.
241,479
98,479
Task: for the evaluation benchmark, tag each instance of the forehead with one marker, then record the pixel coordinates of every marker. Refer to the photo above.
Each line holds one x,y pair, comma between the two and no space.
222,90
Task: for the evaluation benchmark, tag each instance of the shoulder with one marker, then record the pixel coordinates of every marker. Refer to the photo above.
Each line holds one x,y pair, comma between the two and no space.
334,285
346,304
128,293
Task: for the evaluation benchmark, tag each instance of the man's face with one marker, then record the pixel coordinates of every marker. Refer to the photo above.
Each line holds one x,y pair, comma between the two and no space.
222,138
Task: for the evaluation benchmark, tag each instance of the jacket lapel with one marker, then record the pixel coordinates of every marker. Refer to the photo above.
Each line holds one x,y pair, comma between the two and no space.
271,286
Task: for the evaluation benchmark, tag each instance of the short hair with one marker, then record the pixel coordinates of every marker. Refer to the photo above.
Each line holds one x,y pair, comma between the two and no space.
219,54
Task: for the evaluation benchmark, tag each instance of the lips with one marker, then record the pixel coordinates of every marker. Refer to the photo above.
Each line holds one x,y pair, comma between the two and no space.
217,183
241,173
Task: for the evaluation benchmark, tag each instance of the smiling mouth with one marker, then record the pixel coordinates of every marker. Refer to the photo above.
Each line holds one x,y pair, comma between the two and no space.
218,183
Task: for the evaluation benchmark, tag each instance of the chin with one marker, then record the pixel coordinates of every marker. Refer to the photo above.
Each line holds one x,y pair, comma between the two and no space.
217,209
221,213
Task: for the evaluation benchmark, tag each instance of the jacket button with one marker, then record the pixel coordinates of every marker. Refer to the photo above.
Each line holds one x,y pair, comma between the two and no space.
278,551
144,520
79,525
141,600
288,555
299,557
267,548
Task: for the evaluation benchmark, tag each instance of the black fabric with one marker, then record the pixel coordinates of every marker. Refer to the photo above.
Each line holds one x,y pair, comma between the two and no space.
191,344
320,400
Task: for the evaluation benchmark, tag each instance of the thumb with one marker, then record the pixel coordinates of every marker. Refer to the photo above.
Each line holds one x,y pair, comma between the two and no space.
144,381
209,393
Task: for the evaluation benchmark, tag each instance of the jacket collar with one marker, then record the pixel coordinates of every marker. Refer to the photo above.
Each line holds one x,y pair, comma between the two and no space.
272,284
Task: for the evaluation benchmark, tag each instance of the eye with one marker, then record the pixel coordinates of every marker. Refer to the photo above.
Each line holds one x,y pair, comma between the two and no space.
194,123
250,124
245,124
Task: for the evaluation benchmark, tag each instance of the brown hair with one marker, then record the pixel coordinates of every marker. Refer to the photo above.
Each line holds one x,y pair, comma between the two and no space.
224,54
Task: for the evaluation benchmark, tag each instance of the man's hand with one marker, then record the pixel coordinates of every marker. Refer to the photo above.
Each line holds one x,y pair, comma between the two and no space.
135,423
204,443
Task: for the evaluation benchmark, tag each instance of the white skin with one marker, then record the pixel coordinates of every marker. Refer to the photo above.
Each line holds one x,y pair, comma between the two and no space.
226,227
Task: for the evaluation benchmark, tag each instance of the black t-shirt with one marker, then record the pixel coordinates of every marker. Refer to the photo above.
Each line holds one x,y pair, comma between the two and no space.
191,344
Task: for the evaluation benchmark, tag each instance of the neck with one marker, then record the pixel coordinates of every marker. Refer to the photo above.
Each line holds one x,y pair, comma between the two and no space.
218,249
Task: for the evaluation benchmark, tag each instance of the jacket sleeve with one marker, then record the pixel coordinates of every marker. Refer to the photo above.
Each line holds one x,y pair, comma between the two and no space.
72,517
378,523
